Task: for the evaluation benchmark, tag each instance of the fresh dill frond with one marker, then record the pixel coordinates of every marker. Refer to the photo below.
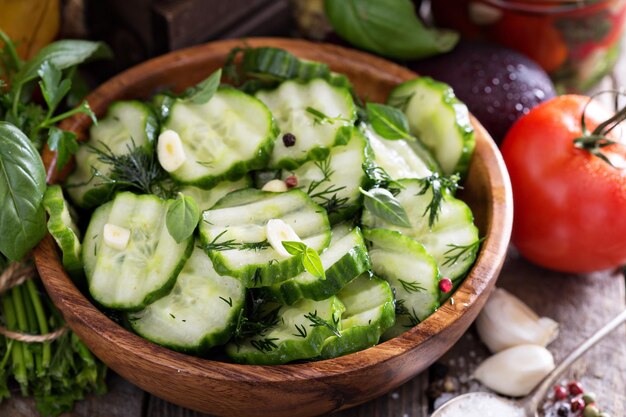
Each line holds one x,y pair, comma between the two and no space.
439,185
264,345
325,192
231,244
381,178
461,252
411,287
320,118
302,332
317,321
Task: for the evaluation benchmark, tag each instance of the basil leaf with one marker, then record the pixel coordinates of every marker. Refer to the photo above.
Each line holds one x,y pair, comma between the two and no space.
61,54
389,28
381,203
182,217
294,248
64,143
22,186
313,264
205,90
52,87
388,122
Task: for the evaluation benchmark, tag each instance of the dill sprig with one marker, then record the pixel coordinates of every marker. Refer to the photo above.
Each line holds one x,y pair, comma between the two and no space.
402,310
317,321
439,186
302,332
319,118
411,287
136,170
326,194
264,345
231,244
257,322
381,178
461,252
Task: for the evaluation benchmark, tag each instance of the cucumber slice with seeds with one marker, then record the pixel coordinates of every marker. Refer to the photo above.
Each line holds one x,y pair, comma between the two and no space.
207,198
234,234
344,259
452,240
334,182
314,137
439,120
412,273
147,268
127,124
63,229
299,333
200,312
370,310
223,139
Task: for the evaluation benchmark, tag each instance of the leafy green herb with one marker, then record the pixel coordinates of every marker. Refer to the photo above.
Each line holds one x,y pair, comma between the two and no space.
264,345
439,186
229,301
411,287
388,122
302,332
381,178
321,118
64,143
461,252
182,217
231,244
22,186
205,90
259,320
326,196
310,258
390,28
381,203
317,321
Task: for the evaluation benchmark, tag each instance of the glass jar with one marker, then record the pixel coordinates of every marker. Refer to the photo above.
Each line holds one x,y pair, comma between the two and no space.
576,41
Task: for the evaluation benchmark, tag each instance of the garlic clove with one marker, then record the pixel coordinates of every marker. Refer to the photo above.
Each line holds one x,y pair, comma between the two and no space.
506,321
116,237
515,371
277,232
170,151
275,186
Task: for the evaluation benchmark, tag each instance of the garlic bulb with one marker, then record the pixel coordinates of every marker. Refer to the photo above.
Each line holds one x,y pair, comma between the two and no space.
515,371
506,321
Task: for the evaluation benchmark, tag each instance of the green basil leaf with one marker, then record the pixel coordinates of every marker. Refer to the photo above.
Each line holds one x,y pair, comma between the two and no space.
182,217
389,28
64,143
62,54
388,122
22,186
205,90
313,264
52,87
381,203
294,248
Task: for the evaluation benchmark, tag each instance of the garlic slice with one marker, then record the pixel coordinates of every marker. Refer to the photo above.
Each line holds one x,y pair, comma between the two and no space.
506,321
515,371
275,186
277,232
170,151
116,237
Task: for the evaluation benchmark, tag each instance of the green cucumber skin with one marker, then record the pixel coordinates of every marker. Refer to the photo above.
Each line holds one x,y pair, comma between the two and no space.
239,169
354,339
92,195
463,124
348,267
63,233
210,340
292,349
90,251
206,199
258,275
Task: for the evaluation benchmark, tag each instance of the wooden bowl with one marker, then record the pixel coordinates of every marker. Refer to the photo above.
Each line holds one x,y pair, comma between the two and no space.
303,389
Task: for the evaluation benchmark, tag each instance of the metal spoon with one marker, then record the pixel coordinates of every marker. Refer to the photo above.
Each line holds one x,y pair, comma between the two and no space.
530,403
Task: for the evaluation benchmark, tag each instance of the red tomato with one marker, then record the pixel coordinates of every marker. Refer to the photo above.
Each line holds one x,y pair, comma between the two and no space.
569,205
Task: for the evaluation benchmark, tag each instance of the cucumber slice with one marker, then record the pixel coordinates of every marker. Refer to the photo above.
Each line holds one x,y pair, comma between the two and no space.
314,137
207,198
223,138
63,229
439,120
147,268
299,333
344,259
401,158
410,270
334,182
452,240
234,234
126,123
200,312
370,310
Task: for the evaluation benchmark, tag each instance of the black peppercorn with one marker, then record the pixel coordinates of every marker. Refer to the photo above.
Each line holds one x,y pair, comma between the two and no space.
289,139
563,411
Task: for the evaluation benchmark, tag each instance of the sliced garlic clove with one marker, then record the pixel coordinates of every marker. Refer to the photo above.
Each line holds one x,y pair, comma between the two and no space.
116,237
483,14
170,151
506,321
275,186
515,371
277,232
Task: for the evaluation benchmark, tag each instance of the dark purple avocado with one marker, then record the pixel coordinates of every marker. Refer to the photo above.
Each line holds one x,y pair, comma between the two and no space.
497,84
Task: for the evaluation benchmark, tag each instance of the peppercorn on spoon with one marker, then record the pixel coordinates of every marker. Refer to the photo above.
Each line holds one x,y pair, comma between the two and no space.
526,406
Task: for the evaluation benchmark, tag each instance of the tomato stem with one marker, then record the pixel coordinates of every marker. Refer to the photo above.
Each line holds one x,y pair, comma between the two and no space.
595,141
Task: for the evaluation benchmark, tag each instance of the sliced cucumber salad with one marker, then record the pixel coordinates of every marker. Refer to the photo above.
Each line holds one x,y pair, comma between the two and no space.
278,219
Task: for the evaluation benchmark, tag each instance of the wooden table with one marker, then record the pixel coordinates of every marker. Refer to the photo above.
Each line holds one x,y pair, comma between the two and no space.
581,304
